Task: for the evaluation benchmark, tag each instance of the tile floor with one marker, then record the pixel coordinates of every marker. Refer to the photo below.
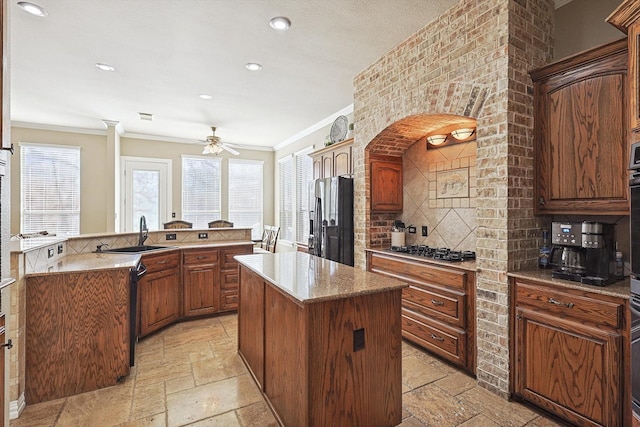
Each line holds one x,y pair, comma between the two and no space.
190,374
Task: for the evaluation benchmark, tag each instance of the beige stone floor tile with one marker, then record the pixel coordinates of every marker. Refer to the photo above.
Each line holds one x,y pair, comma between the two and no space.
228,419
212,399
411,422
40,415
162,371
542,421
217,368
503,412
158,420
148,400
256,415
457,383
105,407
416,373
179,384
479,421
435,407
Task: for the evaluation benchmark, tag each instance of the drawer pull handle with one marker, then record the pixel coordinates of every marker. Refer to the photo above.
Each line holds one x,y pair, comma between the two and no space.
201,257
564,304
438,303
8,345
161,262
437,338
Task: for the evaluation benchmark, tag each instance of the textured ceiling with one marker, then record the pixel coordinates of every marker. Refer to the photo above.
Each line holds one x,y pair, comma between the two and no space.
167,52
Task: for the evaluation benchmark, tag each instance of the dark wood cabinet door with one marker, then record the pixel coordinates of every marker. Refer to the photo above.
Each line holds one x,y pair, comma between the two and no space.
569,369
201,289
159,299
251,323
581,134
386,186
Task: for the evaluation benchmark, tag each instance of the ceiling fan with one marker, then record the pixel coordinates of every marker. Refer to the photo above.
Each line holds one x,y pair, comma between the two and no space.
215,144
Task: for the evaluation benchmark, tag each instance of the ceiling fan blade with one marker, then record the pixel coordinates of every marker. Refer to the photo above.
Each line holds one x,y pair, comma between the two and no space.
229,149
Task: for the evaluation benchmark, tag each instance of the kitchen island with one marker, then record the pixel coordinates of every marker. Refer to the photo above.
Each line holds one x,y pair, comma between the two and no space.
321,339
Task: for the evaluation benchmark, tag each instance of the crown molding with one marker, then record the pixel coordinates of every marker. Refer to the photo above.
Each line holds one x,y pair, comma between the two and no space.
54,128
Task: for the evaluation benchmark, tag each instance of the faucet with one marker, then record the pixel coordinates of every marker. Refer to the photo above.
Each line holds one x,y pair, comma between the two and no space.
144,231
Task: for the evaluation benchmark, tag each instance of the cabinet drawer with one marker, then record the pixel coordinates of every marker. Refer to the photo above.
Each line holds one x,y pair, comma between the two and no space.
157,262
229,279
228,254
407,269
207,256
582,306
450,343
228,301
435,302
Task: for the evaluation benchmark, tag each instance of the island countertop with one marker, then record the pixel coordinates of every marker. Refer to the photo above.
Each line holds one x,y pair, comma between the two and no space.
89,261
308,278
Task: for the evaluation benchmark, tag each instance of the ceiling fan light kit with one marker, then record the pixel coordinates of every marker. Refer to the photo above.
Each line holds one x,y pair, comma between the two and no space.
215,145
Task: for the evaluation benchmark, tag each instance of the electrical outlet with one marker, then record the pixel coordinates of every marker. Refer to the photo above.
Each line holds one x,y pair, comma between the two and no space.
424,230
170,236
50,253
203,235
173,214
358,339
412,229
60,248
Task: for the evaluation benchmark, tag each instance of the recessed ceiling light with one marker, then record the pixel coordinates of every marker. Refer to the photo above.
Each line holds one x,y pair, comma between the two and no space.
33,9
104,67
280,23
205,96
253,66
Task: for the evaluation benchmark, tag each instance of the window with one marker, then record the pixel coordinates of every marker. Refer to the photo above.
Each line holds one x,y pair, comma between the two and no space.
200,190
49,189
295,173
286,198
245,194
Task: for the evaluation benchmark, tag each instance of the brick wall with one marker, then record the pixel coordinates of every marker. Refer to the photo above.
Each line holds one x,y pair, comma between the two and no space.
472,62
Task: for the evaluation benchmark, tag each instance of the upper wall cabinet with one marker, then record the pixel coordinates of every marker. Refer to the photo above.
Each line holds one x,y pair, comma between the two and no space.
334,160
627,19
386,184
581,138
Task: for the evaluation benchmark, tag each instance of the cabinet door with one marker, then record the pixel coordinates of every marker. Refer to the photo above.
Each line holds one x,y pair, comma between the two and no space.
342,161
317,167
327,165
251,323
159,299
201,290
386,186
569,369
581,147
634,76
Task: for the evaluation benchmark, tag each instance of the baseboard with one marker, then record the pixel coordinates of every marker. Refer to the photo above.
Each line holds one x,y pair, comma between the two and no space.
16,407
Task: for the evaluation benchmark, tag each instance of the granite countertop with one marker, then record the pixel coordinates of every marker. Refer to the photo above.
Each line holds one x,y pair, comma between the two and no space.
307,278
89,261
462,265
619,289
26,245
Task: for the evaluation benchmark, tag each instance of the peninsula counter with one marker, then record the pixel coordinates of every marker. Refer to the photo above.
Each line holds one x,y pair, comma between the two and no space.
321,339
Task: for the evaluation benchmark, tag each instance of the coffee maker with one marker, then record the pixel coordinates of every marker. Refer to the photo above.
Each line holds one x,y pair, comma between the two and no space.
583,252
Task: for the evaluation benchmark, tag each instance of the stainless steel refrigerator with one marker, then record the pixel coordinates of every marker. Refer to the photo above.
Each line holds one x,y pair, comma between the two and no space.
331,219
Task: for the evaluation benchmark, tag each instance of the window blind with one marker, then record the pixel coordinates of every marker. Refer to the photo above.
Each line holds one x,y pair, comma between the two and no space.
245,194
304,174
201,178
50,189
286,187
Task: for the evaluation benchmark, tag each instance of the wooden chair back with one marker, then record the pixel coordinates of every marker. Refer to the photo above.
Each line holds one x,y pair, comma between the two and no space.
178,223
220,223
269,239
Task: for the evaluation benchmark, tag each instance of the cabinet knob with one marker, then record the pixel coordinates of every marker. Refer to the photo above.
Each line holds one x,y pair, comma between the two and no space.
8,345
541,201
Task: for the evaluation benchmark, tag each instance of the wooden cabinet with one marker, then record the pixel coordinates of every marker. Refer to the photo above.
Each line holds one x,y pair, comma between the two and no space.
229,276
386,184
627,19
77,332
334,160
581,142
159,291
200,282
568,352
307,361
438,307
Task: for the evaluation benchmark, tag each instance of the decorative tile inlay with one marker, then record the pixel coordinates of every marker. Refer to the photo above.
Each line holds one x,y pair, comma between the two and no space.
454,183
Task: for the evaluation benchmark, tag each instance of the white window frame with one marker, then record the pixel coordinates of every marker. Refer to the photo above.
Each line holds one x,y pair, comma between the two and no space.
304,187
214,215
256,232
294,186
127,222
75,148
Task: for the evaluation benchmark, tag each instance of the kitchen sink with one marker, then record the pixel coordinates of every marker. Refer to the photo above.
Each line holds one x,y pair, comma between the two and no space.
135,249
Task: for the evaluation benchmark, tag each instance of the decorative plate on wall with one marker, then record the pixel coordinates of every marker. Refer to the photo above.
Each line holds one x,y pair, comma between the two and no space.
339,129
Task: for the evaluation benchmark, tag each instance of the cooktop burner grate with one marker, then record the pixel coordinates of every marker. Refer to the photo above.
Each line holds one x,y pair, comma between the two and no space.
442,254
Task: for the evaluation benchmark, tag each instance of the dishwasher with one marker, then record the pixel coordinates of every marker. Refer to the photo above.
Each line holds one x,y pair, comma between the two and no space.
136,274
